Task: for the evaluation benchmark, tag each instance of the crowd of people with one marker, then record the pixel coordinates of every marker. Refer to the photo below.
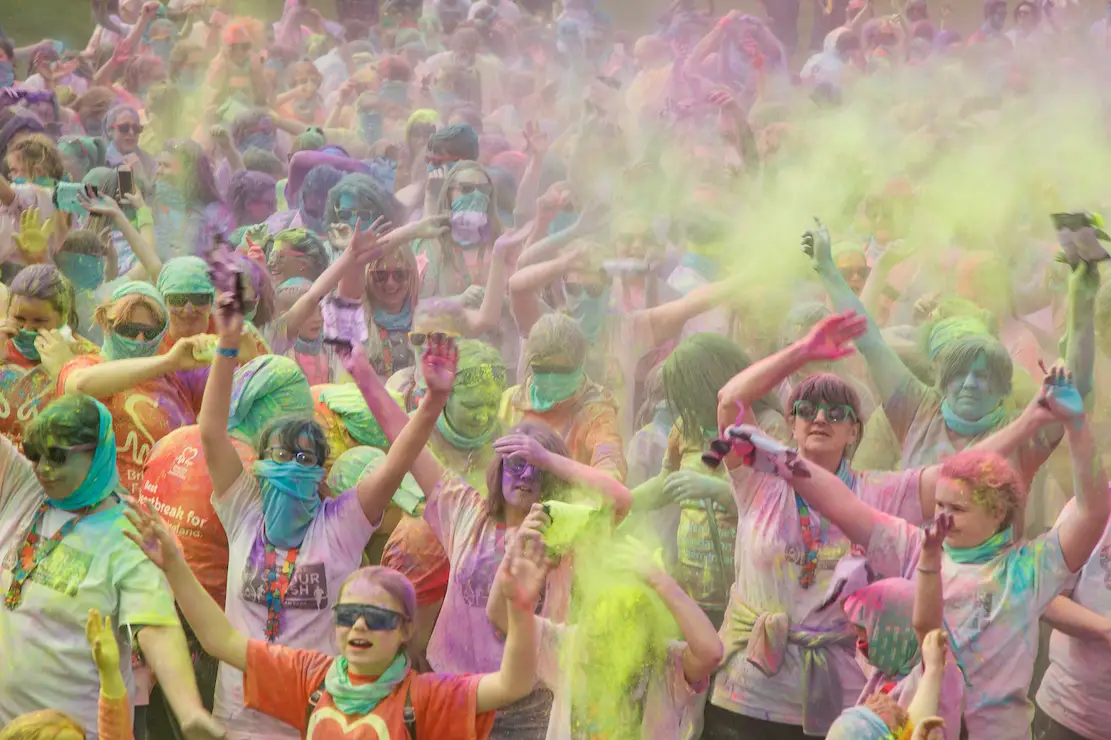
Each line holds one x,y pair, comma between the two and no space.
479,368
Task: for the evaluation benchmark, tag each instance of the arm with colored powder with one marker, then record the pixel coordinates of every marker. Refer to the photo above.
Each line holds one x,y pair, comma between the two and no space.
438,369
527,282
703,650
108,208
612,490
114,713
872,296
928,598
549,247
667,320
884,364
106,379
206,618
223,461
485,319
167,653
536,146
1080,352
521,579
924,706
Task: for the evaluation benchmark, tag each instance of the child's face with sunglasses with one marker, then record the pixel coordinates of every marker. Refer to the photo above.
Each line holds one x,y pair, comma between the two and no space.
60,468
189,313
853,266
371,627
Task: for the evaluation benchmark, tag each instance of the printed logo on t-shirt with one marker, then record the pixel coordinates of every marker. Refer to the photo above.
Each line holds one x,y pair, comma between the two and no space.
828,555
307,590
476,577
63,571
183,463
332,723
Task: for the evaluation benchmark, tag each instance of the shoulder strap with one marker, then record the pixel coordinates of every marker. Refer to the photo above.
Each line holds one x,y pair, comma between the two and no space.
314,699
410,714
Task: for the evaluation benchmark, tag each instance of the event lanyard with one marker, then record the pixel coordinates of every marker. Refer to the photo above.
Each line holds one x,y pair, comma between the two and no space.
276,580
30,555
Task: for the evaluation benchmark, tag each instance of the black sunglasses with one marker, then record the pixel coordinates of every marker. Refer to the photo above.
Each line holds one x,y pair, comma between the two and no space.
574,290
467,188
57,456
376,618
719,448
178,300
130,330
834,412
349,216
129,128
383,276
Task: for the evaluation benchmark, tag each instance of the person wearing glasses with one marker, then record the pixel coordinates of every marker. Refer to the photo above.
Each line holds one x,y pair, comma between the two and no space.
364,685
140,387
63,552
531,465
290,546
123,128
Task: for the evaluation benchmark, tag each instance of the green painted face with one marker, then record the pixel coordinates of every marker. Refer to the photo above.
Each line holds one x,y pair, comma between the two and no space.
472,409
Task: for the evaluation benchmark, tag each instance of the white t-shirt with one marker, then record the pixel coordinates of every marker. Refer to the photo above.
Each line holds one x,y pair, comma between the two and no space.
332,550
992,612
45,660
1076,689
667,693
769,554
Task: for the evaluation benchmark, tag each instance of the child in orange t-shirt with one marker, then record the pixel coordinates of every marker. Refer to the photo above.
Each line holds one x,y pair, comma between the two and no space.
114,720
369,691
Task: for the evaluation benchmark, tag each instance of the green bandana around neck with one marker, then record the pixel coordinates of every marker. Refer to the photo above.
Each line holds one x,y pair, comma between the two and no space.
361,699
985,552
973,428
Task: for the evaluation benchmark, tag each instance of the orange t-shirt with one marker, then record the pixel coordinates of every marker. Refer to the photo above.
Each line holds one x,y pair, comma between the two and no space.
280,680
25,390
141,416
177,484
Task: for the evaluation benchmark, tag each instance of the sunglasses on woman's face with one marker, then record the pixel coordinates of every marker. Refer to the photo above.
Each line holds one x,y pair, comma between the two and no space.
377,619
350,217
466,188
302,458
129,128
516,465
130,330
418,338
399,276
198,300
834,412
56,456
574,290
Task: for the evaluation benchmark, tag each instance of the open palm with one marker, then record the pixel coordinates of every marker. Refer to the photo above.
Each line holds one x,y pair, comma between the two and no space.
151,534
829,338
438,365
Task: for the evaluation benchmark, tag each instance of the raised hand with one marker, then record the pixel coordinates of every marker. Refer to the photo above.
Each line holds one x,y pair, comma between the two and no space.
220,136
366,244
524,447
438,365
1058,400
931,728
34,235
228,317
536,141
102,640
54,351
524,571
934,649
151,534
100,205
354,359
816,245
935,533
830,337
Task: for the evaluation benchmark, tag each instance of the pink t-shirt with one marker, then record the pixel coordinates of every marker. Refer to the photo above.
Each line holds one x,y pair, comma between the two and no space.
666,697
1076,689
769,554
331,551
992,612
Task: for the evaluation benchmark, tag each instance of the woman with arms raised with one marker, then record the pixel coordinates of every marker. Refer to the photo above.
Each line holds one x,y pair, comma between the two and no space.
995,590
368,690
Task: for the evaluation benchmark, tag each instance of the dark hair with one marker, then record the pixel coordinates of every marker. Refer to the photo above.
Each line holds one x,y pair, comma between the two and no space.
830,389
549,485
199,184
246,186
306,242
256,159
693,375
68,421
958,357
263,287
368,194
84,241
46,283
288,432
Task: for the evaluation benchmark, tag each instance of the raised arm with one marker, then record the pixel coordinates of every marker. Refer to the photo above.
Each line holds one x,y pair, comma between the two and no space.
206,618
924,706
527,282
1080,340
520,581
613,492
438,369
486,318
223,461
887,369
666,321
703,651
928,602
826,342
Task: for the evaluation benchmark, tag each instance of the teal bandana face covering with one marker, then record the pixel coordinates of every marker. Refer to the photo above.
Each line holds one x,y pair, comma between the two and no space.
289,500
25,342
103,477
470,223
548,389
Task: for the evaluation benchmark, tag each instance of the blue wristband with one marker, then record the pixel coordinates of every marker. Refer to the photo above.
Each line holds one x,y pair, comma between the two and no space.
225,352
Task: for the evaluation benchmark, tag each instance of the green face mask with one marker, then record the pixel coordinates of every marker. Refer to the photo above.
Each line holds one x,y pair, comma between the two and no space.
25,342
548,389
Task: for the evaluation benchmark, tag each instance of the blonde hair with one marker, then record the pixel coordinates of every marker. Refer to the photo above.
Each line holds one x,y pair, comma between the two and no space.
111,313
45,724
39,150
406,260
